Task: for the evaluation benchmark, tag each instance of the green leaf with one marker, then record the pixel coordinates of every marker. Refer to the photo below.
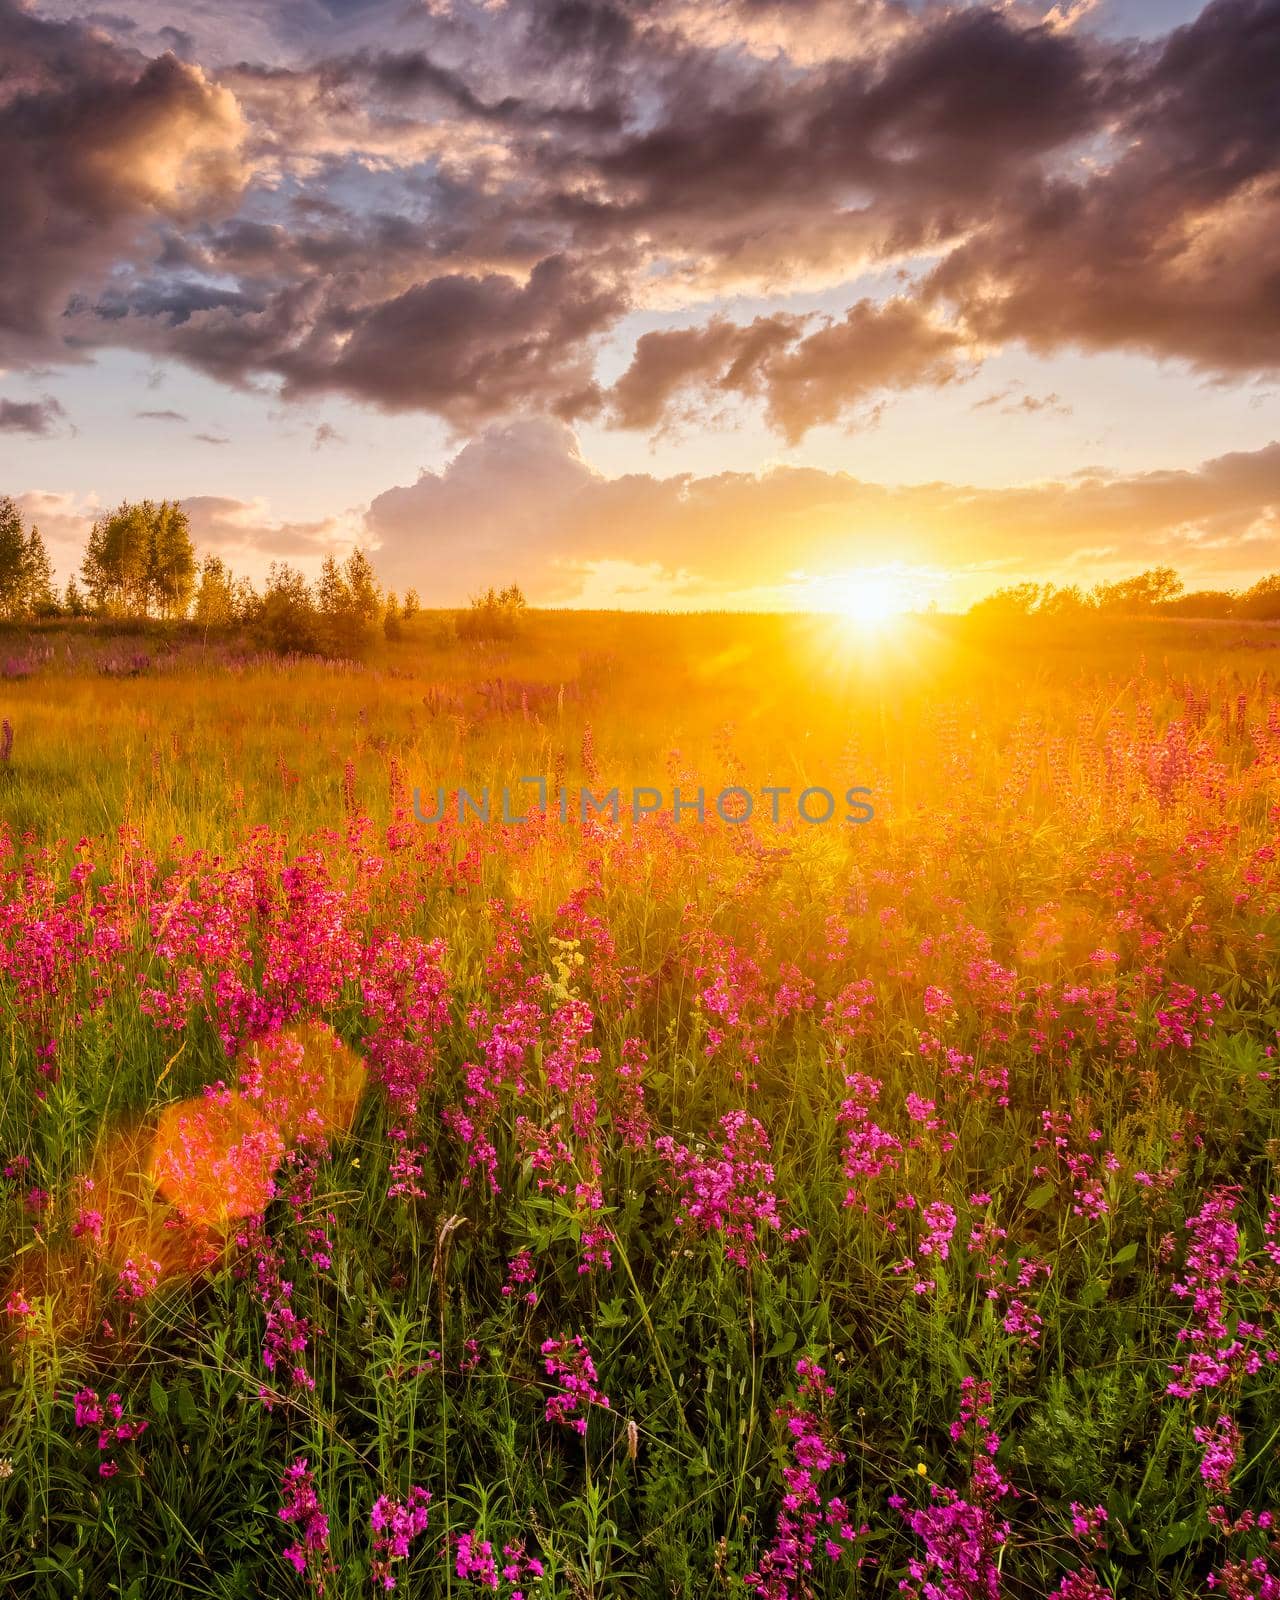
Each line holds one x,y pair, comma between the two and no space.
612,1313
781,1346
159,1399
1175,1537
1126,1254
1039,1198
184,1400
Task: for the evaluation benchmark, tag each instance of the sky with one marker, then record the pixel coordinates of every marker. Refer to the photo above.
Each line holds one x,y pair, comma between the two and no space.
660,303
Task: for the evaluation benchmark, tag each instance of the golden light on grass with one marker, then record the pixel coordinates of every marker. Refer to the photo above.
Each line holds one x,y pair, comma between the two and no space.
214,1158
137,1223
126,1238
164,1194
305,1081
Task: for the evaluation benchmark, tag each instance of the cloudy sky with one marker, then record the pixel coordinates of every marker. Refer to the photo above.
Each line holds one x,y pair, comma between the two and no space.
651,302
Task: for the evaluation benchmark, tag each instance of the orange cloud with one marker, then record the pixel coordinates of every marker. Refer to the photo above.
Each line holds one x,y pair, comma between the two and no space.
520,501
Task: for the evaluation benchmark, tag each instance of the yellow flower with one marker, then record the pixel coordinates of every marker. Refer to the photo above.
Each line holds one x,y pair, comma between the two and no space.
921,1469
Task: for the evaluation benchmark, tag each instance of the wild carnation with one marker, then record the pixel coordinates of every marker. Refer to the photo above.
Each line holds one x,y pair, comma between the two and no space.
396,1523
568,1363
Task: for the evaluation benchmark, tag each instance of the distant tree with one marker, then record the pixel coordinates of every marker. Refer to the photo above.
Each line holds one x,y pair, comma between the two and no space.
26,577
333,598
1262,602
39,596
1033,599
171,562
495,614
1014,600
1145,592
116,561
1069,600
74,603
412,605
392,626
349,602
1214,603
216,597
366,596
140,561
13,559
246,601
287,619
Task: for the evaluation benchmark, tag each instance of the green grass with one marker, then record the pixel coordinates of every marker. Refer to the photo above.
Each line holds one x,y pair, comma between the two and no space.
1035,804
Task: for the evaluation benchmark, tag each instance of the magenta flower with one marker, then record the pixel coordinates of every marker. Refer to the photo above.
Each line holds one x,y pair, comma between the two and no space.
569,1363
811,1517
302,1511
396,1524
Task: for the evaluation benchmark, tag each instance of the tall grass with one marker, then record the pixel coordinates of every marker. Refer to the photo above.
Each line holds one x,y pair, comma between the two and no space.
982,1090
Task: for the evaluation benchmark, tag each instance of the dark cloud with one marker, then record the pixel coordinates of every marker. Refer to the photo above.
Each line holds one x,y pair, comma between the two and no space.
465,347
111,21
719,357
178,40
759,173
805,378
40,417
96,143
161,416
449,213
874,348
1173,246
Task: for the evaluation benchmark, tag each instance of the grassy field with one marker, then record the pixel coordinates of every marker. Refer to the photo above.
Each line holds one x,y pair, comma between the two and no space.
670,1207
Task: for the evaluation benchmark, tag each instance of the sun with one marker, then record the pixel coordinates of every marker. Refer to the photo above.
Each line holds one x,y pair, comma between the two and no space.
870,601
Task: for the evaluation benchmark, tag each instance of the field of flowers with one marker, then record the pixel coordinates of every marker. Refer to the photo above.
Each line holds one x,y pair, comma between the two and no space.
675,1208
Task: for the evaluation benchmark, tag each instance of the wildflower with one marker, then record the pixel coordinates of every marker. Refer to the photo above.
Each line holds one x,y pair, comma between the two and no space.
732,1196
809,1513
595,1251
1212,1271
962,1537
1087,1523
87,1224
108,1417
569,1363
521,1279
1083,1585
869,1152
1222,1451
396,1524
287,1335
17,1305
516,1573
302,1511
137,1279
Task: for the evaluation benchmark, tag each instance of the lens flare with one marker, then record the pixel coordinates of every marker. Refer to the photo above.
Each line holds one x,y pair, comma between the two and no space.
163,1195
214,1157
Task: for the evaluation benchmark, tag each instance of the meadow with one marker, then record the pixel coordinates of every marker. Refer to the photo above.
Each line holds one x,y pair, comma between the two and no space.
668,1208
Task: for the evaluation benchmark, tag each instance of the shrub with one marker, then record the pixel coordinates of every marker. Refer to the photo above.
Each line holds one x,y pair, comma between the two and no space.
495,614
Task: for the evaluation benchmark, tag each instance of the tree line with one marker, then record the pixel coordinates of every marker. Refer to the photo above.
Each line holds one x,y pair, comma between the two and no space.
140,564
1157,592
